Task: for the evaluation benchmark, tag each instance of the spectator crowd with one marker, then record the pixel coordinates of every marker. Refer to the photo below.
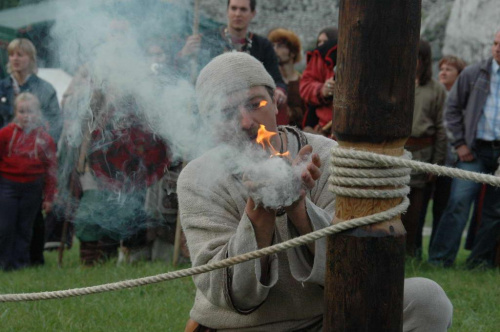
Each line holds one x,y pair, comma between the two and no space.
116,187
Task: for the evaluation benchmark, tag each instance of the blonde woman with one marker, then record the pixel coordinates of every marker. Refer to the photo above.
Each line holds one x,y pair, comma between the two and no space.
22,67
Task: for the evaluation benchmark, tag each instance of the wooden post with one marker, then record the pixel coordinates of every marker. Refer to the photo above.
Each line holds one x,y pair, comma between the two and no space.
177,240
194,76
196,31
373,108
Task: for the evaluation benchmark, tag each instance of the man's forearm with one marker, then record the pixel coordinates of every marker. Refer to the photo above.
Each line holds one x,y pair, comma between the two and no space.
297,214
263,222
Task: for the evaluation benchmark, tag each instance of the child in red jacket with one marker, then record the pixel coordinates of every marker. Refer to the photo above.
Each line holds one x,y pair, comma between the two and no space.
27,174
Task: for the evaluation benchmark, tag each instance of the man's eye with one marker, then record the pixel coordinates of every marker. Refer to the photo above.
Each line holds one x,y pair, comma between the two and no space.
257,105
228,113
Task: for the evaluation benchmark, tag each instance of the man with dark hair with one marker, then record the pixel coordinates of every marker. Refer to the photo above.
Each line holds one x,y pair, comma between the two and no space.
473,118
288,50
235,36
253,3
234,199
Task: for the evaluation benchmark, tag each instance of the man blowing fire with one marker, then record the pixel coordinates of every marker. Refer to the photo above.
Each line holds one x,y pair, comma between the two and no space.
235,199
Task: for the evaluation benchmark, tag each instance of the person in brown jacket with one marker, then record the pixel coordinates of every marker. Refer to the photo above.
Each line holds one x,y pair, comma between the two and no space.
288,50
427,143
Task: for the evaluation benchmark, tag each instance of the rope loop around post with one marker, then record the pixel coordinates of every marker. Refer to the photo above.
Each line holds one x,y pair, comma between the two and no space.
350,174
365,159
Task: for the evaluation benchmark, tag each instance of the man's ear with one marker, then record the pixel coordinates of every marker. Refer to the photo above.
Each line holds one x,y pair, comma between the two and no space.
274,100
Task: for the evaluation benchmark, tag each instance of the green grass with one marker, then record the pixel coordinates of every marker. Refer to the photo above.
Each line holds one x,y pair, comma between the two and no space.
475,294
158,307
165,306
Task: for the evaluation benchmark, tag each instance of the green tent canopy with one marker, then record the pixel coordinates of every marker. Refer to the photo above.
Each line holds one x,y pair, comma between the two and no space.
35,22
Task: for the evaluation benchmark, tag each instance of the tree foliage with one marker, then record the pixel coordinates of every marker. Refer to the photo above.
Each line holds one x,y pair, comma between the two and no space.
4,4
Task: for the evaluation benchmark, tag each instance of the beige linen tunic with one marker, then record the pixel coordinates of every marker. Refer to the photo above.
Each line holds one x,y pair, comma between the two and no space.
212,208
216,226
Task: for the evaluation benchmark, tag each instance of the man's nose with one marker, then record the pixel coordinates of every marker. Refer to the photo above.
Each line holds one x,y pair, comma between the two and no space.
245,119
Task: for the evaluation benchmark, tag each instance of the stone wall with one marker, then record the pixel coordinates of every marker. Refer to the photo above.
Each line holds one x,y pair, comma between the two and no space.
435,14
305,17
461,27
471,28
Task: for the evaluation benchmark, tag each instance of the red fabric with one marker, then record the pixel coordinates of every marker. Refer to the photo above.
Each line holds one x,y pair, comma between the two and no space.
317,71
282,118
23,165
128,157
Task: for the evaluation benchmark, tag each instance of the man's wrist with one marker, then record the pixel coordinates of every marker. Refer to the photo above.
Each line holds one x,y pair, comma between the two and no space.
458,143
298,207
297,214
260,216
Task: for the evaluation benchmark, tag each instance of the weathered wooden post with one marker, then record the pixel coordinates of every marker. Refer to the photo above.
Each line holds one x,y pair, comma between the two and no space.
194,76
373,109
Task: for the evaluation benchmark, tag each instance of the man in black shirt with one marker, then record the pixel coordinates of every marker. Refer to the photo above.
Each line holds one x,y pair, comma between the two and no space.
235,36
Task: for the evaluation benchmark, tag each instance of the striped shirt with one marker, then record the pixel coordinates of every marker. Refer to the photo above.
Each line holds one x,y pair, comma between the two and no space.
488,128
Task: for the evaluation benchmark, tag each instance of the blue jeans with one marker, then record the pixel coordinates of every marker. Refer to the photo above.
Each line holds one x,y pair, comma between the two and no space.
19,205
446,242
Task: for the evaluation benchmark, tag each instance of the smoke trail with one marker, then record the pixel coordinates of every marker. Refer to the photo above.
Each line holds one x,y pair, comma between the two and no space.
129,87
119,111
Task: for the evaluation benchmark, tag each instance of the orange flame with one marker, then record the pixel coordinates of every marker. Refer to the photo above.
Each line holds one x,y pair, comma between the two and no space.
264,139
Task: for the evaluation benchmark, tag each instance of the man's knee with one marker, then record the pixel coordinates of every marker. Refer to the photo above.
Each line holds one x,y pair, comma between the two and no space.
426,306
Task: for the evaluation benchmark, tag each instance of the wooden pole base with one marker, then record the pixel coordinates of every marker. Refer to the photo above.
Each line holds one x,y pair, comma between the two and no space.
357,275
177,241
372,111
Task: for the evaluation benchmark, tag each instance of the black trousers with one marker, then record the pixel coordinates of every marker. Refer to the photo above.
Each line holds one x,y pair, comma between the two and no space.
19,205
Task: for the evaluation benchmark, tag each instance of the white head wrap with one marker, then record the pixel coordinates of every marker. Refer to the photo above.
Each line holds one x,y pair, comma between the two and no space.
228,73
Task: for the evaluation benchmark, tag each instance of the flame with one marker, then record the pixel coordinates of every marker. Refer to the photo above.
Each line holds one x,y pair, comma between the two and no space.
264,139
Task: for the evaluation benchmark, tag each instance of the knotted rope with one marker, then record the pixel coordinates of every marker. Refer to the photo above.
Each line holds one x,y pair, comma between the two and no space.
344,178
374,172
356,158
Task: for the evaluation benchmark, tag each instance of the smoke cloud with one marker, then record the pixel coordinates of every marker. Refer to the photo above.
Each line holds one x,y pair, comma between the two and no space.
122,54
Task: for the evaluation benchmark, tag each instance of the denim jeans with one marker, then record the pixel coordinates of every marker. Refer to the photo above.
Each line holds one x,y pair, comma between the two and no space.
19,204
446,242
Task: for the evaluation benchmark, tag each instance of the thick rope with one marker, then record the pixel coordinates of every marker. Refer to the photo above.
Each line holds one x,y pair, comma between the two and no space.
302,240
344,178
356,158
340,159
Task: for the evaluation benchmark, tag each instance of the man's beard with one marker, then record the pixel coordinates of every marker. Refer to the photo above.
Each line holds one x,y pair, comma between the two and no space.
233,135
